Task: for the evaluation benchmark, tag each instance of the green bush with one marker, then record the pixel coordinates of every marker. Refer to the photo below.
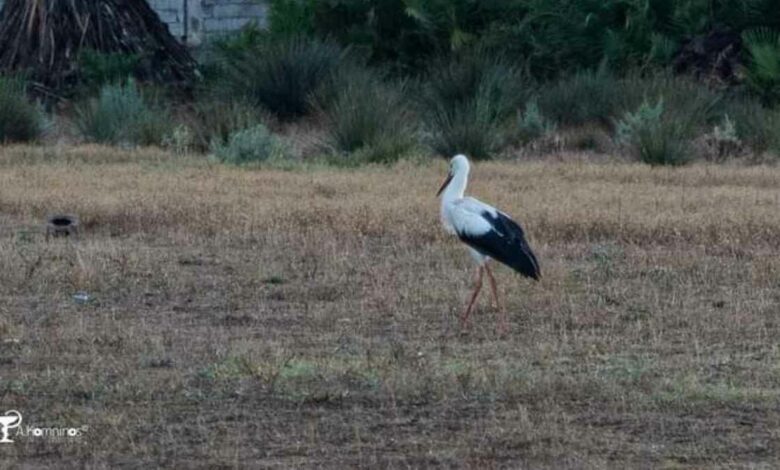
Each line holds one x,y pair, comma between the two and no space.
470,128
121,115
20,120
371,117
281,75
255,144
655,136
680,95
215,120
757,126
584,98
467,102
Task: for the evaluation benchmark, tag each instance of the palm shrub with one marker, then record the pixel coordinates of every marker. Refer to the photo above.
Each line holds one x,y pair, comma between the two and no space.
252,145
121,115
280,75
20,120
762,73
467,102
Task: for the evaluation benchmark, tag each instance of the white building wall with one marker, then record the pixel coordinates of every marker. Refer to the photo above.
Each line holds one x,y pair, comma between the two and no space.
207,17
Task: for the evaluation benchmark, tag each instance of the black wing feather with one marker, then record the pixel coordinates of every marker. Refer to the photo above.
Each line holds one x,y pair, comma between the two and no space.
505,243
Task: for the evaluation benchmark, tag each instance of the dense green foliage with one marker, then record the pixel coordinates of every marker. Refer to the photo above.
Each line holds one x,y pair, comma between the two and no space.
98,69
20,120
548,37
660,80
278,74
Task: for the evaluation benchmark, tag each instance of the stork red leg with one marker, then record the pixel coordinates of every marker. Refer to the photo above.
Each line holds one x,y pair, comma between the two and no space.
465,318
493,289
503,323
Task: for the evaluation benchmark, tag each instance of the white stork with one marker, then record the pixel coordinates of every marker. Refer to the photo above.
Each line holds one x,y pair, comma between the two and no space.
488,232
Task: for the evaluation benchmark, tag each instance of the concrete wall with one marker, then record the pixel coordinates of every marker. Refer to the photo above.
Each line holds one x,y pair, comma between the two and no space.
207,17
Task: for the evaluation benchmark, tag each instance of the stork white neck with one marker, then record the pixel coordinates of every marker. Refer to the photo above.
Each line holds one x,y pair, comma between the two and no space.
459,171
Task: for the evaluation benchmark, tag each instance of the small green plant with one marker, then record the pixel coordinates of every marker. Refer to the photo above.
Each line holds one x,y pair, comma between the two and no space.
121,115
20,120
281,75
531,124
181,140
655,137
255,144
645,117
723,141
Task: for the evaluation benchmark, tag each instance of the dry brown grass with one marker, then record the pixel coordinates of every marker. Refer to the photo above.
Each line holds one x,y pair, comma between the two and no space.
247,317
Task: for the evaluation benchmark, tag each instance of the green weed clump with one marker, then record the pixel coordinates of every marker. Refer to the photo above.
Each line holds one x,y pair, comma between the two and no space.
253,145
215,120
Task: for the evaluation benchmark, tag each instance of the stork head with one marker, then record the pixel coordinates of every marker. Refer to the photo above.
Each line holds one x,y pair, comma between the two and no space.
458,165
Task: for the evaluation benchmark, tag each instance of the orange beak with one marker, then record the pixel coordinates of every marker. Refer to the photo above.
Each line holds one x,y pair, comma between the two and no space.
444,185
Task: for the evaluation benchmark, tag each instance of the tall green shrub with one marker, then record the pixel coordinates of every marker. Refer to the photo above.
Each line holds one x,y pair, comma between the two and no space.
583,98
370,117
281,75
20,120
121,115
467,102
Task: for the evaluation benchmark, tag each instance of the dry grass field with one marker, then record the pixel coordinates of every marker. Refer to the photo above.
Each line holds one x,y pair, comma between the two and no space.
247,318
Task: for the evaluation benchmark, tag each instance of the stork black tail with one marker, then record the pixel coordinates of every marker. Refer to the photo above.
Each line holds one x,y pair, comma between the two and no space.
506,243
